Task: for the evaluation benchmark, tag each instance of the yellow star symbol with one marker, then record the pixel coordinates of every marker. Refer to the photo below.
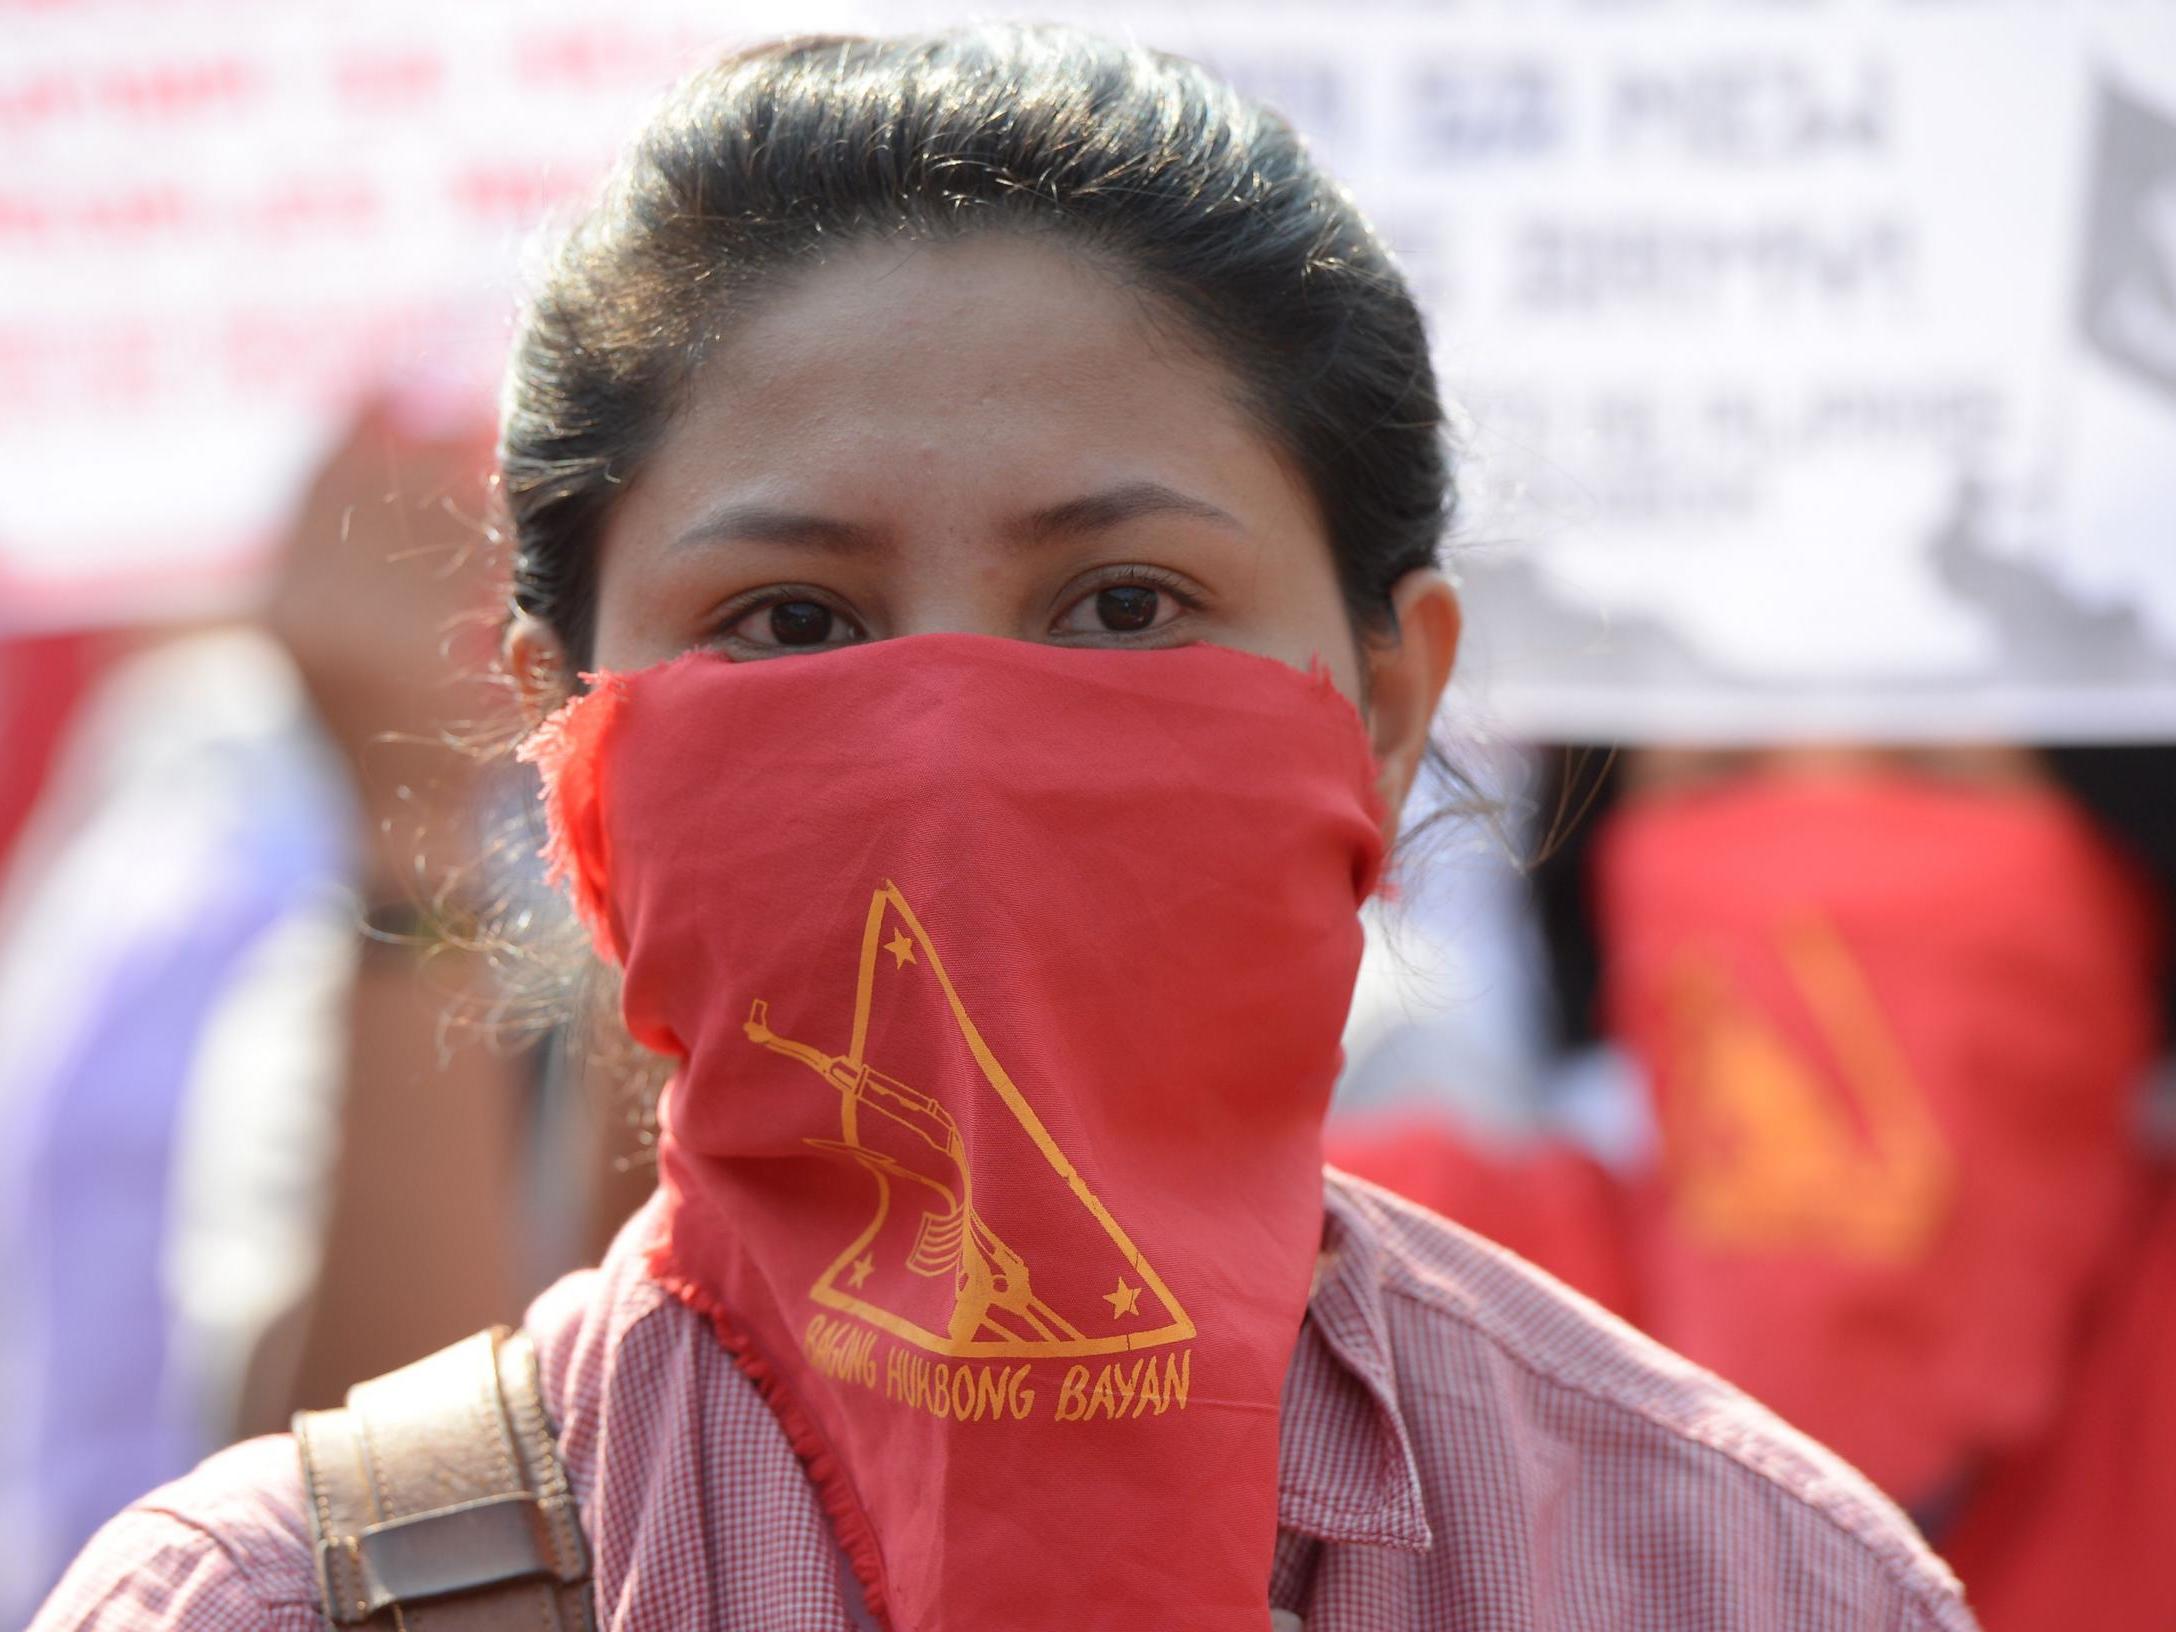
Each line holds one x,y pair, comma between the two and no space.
901,949
1125,1301
860,1270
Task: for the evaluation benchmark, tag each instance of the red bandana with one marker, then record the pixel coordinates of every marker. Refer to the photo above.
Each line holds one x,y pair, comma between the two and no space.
1006,982
1894,1032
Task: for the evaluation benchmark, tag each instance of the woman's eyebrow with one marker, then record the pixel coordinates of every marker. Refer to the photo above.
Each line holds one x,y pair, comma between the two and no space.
738,522
1127,501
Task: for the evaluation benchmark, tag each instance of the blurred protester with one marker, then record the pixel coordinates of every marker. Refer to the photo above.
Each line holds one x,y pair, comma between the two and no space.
384,605
186,850
254,840
389,606
1891,1020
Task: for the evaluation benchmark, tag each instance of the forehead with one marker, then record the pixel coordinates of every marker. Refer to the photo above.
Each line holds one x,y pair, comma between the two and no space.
911,375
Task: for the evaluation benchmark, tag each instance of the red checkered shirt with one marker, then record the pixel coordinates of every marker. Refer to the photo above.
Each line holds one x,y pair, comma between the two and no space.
1466,1445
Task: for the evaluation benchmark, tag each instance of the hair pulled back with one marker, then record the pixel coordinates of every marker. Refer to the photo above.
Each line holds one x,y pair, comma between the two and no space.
779,155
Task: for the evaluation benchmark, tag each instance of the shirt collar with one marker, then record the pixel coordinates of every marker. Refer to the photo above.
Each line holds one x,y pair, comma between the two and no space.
1346,1467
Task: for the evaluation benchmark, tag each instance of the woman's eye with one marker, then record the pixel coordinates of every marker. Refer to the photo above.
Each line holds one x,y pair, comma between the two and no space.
795,624
1121,609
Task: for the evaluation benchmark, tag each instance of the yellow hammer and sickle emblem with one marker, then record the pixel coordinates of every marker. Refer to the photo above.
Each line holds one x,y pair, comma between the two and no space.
1761,1151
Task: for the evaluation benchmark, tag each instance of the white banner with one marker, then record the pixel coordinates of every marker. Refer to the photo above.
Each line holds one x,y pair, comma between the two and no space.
1818,359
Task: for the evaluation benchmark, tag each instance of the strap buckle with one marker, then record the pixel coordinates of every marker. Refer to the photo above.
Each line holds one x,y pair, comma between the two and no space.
462,1548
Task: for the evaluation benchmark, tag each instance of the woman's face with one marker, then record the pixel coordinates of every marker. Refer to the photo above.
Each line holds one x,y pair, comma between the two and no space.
989,436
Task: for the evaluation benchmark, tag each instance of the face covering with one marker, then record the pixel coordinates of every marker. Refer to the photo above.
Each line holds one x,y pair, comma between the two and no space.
1893,1031
1005,983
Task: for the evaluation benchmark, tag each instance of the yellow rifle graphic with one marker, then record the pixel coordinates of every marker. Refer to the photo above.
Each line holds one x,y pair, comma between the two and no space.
894,1131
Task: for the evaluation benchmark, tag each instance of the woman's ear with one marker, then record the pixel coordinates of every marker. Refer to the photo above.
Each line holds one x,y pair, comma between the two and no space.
1406,676
536,661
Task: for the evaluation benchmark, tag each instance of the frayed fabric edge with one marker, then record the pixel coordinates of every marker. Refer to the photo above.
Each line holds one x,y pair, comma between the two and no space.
856,1536
568,753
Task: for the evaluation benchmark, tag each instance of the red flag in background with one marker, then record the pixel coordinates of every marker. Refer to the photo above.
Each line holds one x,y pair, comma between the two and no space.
1895,1033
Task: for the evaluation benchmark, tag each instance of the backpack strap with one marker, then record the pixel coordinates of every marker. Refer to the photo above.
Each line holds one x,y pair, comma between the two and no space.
438,1502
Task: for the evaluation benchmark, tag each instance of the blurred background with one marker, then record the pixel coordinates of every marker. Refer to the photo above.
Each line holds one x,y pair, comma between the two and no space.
1785,968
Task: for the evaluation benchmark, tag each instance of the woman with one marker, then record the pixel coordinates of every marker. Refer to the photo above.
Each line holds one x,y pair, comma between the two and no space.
993,1281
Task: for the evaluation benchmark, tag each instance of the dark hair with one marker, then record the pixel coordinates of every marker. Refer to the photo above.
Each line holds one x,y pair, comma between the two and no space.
777,154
